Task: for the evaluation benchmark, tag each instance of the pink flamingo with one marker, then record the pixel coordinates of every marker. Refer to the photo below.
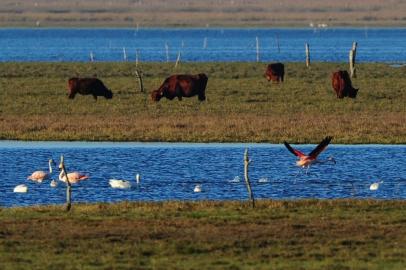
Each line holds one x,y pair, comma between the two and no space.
306,160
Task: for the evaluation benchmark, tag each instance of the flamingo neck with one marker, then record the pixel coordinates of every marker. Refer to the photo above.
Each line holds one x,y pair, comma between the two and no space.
62,176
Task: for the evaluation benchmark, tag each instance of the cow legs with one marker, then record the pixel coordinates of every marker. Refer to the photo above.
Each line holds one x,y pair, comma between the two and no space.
95,97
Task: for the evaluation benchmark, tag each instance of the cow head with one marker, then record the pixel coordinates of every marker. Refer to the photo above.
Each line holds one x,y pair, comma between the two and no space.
108,94
156,95
353,93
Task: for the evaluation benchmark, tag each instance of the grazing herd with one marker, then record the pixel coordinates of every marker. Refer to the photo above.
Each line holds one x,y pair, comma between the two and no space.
186,85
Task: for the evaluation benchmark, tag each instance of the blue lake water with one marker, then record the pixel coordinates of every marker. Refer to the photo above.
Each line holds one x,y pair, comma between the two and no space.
171,171
202,45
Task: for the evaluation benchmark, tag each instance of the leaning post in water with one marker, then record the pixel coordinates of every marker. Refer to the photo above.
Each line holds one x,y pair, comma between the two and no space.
307,48
68,185
247,161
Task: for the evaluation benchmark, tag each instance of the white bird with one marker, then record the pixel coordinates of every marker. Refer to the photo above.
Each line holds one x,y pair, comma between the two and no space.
118,183
375,186
21,188
39,176
53,183
198,188
263,180
235,180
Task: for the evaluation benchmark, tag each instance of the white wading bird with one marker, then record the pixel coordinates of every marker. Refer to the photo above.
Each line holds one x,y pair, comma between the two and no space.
118,183
124,184
375,186
198,188
21,188
39,176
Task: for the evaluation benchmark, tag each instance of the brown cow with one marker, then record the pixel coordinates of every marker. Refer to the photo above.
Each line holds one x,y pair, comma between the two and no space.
88,86
275,72
342,84
182,85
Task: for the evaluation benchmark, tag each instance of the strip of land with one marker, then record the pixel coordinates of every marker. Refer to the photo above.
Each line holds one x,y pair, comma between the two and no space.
343,234
193,13
241,105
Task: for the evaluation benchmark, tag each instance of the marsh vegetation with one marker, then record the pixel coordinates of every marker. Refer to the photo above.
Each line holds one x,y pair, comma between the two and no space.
344,234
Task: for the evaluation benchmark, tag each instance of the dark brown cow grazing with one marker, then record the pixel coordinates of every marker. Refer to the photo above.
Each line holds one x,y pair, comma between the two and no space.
342,84
182,86
275,72
88,86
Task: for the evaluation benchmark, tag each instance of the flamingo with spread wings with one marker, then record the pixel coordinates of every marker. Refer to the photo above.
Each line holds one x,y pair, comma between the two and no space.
306,160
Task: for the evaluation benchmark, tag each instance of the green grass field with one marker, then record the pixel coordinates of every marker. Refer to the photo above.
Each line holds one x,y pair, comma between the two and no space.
325,234
241,105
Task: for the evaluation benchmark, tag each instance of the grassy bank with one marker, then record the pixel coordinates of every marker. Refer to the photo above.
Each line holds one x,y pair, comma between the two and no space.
181,13
342,234
241,105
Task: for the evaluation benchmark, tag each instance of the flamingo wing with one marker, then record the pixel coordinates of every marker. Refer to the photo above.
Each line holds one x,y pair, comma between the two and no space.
320,148
77,176
294,151
38,175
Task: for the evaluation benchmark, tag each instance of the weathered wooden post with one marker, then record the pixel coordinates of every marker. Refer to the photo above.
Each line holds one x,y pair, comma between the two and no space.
177,60
68,185
277,43
124,54
352,55
138,75
91,56
167,52
307,54
257,46
247,161
205,43
136,57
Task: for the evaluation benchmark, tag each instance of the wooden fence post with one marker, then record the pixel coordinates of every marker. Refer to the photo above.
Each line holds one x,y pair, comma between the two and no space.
307,54
136,57
277,43
167,52
247,180
257,46
177,60
352,55
124,55
138,75
91,56
68,185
